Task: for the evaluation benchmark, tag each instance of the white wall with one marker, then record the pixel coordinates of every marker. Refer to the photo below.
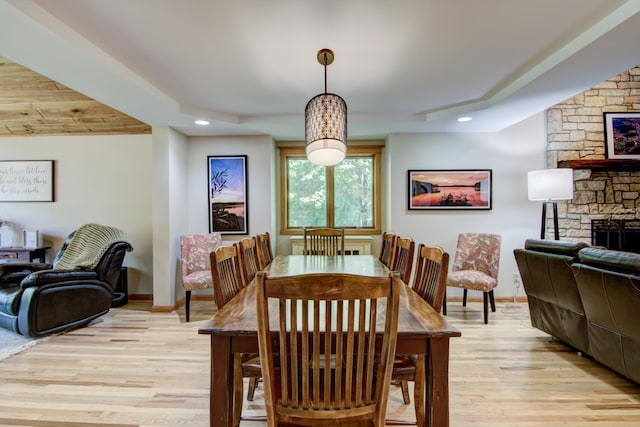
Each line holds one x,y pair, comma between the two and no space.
510,154
100,179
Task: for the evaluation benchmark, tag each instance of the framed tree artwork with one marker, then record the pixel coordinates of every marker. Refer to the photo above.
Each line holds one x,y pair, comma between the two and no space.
228,207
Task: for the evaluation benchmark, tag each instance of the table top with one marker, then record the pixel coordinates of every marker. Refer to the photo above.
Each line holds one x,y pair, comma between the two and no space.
415,318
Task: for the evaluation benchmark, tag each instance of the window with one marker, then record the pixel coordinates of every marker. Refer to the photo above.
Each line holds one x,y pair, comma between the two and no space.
346,195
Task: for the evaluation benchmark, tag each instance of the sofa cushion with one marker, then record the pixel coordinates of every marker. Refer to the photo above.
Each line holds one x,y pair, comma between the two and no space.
620,261
560,247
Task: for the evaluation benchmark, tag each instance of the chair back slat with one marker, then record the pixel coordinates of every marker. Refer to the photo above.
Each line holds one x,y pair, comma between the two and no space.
327,326
430,279
403,258
265,253
248,259
323,241
225,273
387,249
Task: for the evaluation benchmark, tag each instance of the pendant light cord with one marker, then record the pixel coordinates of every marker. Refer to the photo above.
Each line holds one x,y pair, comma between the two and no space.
325,72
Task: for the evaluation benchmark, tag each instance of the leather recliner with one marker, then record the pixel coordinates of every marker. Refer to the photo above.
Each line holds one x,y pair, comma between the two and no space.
36,299
555,306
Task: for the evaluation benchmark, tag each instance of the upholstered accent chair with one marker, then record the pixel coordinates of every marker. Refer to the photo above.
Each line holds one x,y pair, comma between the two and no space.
475,267
194,262
39,299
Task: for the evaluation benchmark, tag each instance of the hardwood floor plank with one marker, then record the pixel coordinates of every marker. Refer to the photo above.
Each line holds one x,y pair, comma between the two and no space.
133,367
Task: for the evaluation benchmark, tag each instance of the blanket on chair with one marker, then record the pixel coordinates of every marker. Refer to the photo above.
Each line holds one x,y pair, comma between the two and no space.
87,246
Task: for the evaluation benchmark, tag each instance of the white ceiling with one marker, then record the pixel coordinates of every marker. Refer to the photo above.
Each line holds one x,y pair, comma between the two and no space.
249,66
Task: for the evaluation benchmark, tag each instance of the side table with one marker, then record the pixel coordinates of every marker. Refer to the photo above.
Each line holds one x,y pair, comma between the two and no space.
11,254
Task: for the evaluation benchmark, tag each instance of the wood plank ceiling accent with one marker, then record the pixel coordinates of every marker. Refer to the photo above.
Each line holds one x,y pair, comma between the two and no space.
31,104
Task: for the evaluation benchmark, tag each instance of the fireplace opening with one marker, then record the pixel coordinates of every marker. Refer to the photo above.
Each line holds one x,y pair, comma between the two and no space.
616,234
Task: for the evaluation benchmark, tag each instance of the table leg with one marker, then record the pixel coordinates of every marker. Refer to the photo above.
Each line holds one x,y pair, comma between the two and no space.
437,395
220,397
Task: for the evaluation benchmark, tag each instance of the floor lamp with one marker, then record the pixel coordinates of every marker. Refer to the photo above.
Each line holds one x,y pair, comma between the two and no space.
550,185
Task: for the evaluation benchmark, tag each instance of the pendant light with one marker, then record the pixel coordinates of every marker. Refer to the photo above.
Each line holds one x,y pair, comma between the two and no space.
325,119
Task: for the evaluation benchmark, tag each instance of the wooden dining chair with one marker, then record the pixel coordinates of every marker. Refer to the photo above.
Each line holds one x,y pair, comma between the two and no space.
323,241
326,378
430,282
475,266
403,257
248,259
227,282
387,249
265,253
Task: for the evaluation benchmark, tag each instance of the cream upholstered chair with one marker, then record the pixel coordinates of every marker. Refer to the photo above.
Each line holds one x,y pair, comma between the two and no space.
227,282
475,267
387,249
194,262
324,241
430,282
265,253
310,381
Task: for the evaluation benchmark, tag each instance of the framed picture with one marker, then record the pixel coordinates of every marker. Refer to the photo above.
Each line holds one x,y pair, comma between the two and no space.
449,189
26,181
227,185
622,134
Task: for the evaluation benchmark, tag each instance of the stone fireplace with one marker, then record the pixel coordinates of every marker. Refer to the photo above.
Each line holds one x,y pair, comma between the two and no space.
575,131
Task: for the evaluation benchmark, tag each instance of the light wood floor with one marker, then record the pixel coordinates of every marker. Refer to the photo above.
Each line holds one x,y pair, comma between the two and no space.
136,368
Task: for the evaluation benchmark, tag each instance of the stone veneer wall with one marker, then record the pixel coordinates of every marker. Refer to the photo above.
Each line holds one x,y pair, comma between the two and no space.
575,130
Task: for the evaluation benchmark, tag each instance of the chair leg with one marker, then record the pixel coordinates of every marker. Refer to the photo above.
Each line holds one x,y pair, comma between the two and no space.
492,301
485,306
404,385
187,295
419,390
253,383
237,389
464,298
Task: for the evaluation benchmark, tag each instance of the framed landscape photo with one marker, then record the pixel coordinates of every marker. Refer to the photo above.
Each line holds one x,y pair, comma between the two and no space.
449,189
227,186
622,135
26,181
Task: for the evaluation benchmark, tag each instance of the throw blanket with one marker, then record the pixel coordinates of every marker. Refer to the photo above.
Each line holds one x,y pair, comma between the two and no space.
87,246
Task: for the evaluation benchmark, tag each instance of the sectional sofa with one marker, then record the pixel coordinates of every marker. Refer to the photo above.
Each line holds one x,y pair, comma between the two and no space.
587,297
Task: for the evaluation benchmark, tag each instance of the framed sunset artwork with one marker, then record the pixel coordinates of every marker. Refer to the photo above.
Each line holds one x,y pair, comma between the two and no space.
449,189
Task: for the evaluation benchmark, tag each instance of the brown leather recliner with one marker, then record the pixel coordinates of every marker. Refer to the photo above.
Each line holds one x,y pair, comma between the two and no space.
37,299
555,306
609,286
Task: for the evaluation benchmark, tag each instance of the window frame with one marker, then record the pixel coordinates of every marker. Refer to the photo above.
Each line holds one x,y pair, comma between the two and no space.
373,151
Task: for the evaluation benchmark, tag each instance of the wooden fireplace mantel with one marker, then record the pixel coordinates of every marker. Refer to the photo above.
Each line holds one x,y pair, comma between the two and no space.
601,165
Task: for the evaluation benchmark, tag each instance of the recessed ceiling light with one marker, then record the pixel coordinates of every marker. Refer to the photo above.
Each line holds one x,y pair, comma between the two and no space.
202,122
464,119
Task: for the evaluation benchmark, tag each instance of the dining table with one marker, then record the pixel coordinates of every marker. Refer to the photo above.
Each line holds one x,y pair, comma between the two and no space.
421,330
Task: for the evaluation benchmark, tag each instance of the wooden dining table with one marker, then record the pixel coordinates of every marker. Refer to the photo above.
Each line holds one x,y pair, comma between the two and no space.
421,330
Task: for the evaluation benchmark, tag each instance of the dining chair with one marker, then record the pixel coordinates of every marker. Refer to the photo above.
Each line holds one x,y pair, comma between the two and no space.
326,378
323,241
227,282
248,259
387,249
475,267
194,262
403,257
429,282
265,253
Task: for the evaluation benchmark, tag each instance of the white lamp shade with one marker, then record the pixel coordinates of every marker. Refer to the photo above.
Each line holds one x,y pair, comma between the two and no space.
551,184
